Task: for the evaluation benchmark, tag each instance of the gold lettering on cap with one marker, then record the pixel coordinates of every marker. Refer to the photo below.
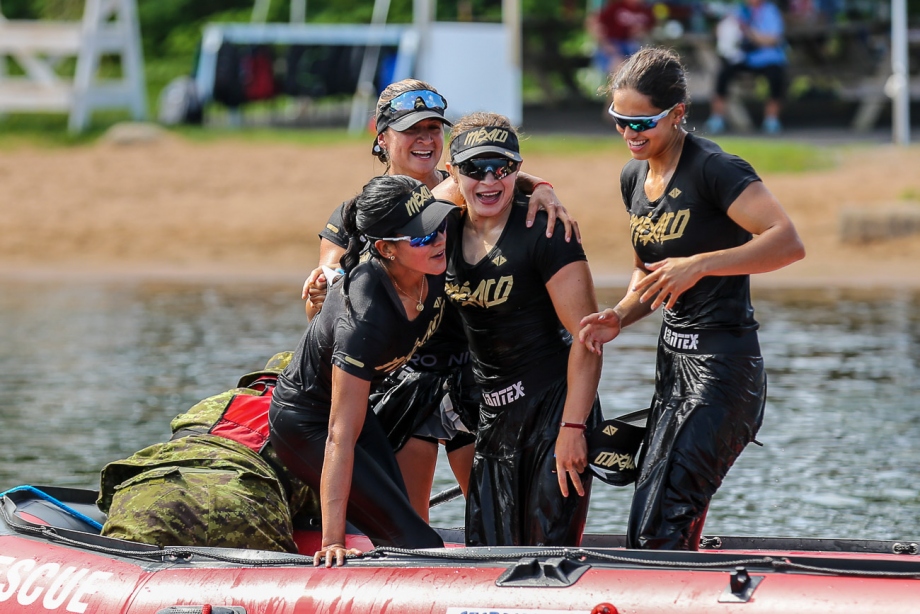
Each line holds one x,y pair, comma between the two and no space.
417,200
495,135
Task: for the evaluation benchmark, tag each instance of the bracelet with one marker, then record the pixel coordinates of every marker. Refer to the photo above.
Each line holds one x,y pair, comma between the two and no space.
539,183
574,425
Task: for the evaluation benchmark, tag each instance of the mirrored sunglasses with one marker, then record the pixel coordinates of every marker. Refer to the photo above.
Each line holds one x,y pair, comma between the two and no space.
428,239
415,99
638,124
478,168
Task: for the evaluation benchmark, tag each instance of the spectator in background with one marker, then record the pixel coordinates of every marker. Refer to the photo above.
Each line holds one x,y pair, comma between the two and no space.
751,40
619,29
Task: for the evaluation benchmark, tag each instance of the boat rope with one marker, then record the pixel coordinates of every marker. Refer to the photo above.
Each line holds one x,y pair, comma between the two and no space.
184,554
777,564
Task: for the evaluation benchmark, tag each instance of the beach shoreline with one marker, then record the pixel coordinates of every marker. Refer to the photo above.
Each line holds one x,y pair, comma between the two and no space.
234,210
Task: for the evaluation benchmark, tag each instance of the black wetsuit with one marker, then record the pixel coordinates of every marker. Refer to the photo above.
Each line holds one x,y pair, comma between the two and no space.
442,366
369,341
710,385
520,358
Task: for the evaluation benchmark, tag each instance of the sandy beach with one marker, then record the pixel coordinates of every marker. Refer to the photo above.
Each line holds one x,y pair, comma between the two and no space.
172,207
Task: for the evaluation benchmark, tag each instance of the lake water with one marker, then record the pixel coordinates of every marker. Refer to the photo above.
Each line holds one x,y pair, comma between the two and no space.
92,371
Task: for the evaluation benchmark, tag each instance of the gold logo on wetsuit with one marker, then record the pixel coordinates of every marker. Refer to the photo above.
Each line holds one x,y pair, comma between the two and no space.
669,226
432,327
495,135
417,199
489,292
675,193
499,260
332,228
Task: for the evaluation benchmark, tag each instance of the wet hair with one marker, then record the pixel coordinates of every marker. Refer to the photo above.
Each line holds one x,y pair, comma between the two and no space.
389,93
375,201
479,119
655,73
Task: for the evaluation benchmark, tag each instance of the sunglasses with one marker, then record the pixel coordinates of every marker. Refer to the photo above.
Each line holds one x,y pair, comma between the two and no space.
638,124
415,99
478,168
428,239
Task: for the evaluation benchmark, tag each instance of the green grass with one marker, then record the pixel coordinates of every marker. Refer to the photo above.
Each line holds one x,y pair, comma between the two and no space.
307,137
778,156
765,155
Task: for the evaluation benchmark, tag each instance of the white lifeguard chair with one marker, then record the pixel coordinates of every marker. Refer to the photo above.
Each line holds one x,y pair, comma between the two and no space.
108,27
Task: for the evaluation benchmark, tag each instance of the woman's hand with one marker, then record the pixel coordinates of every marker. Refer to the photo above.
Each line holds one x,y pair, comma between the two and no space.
336,552
314,292
599,328
571,459
544,197
667,280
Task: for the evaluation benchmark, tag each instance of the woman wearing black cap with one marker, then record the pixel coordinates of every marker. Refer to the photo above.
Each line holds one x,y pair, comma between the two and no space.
521,297
410,140
374,319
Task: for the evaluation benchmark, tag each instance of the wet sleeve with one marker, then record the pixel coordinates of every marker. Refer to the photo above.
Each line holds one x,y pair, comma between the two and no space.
727,176
360,346
551,254
628,183
334,230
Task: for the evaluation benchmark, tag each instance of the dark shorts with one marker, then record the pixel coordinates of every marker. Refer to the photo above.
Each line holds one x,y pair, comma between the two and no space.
706,409
431,406
514,495
377,502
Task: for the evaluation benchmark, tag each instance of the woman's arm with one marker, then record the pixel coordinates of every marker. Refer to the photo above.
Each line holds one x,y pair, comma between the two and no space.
314,288
775,245
346,418
572,292
542,196
599,328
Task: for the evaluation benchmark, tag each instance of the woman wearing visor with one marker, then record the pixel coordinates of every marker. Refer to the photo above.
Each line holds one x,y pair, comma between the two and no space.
521,297
701,222
375,318
414,408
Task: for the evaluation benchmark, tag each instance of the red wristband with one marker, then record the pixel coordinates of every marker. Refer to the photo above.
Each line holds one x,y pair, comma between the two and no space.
574,425
539,183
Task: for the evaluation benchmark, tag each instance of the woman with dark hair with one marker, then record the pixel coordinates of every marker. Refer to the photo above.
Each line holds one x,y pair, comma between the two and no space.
701,222
374,319
429,401
521,297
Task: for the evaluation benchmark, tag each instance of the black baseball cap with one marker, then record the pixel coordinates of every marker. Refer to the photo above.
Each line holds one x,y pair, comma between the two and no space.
416,215
408,109
613,445
485,140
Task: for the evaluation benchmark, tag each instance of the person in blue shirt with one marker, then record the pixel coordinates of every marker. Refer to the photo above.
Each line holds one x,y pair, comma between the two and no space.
760,51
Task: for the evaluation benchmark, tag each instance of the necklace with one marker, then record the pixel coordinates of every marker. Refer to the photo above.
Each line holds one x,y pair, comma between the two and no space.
419,306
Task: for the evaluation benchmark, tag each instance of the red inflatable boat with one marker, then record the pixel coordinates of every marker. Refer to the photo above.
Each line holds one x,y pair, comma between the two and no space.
52,559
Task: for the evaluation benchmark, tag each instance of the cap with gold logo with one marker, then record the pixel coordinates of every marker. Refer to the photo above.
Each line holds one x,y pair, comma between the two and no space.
416,215
485,140
613,445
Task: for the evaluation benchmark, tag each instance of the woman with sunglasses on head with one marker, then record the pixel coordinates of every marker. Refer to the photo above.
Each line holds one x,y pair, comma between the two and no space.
417,415
701,222
375,318
521,297
410,140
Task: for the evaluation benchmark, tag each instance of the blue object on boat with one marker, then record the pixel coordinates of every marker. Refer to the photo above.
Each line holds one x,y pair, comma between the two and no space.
63,506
